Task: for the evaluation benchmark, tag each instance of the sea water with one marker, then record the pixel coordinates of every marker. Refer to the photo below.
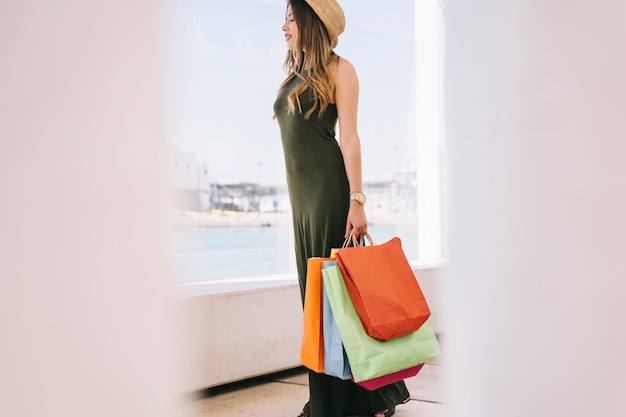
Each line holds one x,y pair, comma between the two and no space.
221,253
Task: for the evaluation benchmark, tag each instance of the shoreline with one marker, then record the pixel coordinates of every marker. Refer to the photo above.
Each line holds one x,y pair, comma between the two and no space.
219,218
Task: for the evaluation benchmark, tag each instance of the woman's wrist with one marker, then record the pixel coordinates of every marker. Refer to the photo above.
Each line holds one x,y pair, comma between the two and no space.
357,196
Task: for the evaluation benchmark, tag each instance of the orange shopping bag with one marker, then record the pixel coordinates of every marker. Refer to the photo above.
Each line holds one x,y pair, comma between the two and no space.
383,289
312,350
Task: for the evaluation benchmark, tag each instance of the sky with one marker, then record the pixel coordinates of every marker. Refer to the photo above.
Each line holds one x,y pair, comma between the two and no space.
225,66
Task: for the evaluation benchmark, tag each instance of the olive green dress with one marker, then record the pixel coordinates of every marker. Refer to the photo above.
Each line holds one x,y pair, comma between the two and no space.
319,191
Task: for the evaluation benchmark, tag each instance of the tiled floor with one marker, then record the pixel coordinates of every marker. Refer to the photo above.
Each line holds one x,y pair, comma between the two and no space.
284,394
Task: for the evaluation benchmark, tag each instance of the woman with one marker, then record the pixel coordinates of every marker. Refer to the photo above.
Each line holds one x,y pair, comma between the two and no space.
324,176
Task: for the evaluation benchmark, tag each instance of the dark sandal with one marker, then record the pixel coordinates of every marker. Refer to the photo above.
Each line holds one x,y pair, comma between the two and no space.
388,412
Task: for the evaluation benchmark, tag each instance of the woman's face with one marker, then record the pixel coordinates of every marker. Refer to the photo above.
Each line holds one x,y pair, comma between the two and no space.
291,29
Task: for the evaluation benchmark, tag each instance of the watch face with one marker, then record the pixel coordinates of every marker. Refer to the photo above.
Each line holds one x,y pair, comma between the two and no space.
358,197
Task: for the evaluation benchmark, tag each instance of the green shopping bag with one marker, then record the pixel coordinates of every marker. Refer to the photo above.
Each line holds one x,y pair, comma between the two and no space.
371,358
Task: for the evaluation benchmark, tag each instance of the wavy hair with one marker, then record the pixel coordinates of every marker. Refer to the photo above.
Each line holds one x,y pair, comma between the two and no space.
309,61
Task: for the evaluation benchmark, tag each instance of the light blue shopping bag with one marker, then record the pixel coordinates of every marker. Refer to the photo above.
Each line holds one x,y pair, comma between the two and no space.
335,359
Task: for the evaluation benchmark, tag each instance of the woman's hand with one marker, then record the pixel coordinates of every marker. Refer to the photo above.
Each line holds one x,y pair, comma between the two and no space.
357,221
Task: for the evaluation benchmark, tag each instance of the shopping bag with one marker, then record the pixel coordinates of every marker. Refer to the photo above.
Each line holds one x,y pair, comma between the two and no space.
335,358
379,382
312,349
384,289
370,358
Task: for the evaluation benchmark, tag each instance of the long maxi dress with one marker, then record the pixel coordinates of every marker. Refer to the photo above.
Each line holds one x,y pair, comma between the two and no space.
318,191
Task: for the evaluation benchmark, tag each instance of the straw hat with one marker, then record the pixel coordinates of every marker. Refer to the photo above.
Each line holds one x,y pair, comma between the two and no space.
331,15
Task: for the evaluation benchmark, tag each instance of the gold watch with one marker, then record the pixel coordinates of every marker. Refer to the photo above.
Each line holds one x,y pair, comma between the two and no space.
358,197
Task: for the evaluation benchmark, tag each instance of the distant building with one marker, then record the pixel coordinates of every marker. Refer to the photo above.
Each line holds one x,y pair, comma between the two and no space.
240,197
247,197
189,178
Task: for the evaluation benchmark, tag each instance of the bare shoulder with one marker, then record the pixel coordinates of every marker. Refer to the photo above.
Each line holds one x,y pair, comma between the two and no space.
343,72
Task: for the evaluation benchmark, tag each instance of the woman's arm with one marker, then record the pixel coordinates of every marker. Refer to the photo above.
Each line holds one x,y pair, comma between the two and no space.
347,99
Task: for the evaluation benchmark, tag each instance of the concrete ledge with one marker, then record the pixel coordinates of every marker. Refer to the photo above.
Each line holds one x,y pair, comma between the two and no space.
229,286
238,335
239,329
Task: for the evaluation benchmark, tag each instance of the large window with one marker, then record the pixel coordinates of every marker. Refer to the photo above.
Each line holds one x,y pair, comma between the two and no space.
231,206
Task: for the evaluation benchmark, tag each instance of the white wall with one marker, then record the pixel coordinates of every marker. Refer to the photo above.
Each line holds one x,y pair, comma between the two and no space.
535,284
86,313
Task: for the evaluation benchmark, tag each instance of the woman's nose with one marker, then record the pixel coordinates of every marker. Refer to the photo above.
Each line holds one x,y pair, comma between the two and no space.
284,27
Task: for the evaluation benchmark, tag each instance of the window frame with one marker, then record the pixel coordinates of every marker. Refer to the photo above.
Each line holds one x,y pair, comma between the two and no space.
429,158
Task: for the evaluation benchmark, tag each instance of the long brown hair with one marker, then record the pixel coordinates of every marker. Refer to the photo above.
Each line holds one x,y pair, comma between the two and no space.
309,61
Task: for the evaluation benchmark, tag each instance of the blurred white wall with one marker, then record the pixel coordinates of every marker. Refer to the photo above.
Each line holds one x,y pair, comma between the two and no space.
86,316
536,197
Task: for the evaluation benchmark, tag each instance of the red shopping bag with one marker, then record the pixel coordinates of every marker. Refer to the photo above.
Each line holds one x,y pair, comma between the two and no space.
383,289
379,382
